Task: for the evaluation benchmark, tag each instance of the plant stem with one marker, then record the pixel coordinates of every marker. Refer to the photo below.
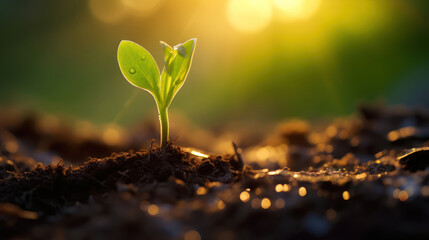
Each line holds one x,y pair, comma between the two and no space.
163,120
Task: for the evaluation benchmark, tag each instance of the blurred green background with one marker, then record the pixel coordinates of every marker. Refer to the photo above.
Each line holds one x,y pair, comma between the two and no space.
256,60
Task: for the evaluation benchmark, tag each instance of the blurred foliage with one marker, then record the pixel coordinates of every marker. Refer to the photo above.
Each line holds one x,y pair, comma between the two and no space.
296,60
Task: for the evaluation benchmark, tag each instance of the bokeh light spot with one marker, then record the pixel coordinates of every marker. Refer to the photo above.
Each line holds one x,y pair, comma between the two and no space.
302,191
109,11
286,188
143,8
221,205
249,15
201,190
403,196
192,235
12,146
265,203
111,136
153,209
244,196
346,195
297,9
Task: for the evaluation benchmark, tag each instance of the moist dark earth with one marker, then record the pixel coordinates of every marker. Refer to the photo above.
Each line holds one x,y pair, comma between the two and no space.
365,176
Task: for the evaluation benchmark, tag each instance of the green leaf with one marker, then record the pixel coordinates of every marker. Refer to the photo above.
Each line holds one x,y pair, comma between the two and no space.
168,54
177,64
138,67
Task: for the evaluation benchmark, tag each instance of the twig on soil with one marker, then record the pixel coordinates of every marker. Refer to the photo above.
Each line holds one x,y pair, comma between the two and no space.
238,154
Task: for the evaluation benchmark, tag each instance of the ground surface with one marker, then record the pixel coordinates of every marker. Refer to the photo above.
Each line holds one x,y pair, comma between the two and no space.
356,178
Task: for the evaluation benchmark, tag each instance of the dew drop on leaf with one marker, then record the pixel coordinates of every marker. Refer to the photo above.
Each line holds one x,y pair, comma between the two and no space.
143,57
180,49
132,70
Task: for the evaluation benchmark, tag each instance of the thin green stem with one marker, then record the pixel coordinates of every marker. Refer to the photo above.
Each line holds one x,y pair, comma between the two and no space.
163,120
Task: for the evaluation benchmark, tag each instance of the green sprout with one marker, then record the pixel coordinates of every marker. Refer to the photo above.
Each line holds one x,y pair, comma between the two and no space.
140,69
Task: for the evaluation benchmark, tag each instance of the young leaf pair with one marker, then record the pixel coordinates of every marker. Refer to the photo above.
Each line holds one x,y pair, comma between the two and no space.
140,69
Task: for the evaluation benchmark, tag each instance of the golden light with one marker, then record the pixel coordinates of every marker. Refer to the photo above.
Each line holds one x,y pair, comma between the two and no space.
286,188
268,154
401,133
346,195
297,9
153,209
249,15
109,11
244,196
111,136
393,136
199,154
262,153
302,191
201,190
331,131
403,196
12,146
279,188
221,205
143,7
192,235
361,176
265,203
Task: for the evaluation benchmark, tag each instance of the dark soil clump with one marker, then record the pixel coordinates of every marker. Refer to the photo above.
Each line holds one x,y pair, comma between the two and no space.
361,177
47,189
415,159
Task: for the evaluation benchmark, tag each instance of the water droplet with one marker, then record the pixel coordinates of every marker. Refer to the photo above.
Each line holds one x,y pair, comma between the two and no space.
143,57
180,49
132,70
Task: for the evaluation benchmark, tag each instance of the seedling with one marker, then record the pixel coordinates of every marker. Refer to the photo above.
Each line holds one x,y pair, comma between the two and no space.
140,69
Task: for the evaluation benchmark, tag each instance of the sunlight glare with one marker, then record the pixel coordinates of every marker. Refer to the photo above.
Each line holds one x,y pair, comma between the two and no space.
199,154
249,15
297,9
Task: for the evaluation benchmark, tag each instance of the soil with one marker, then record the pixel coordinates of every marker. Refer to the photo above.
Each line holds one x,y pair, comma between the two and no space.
366,176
